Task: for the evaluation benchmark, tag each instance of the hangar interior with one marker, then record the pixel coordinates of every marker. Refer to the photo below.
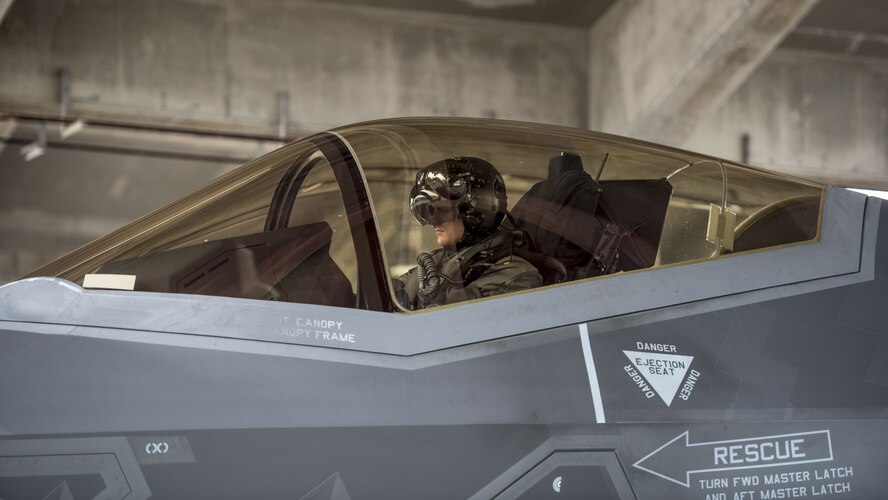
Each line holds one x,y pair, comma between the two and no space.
110,109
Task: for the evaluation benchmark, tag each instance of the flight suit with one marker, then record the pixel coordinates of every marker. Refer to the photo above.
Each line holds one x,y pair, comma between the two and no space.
506,274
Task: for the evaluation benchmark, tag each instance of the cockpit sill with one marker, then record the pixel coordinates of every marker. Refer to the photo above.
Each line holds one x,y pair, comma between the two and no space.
793,269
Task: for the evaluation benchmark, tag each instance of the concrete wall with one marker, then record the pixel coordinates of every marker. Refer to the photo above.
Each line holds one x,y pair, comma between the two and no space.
809,114
223,62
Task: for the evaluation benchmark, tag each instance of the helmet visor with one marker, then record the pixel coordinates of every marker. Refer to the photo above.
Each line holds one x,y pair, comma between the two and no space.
429,208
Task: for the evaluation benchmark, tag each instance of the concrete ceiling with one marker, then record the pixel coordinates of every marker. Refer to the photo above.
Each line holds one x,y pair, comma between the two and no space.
851,27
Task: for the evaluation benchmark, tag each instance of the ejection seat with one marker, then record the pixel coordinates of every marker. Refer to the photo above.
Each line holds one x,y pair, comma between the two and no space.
593,227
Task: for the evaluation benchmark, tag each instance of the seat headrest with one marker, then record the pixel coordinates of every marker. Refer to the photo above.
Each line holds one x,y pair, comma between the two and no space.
565,162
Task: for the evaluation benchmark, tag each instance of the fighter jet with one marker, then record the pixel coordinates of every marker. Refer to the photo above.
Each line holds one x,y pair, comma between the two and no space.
695,328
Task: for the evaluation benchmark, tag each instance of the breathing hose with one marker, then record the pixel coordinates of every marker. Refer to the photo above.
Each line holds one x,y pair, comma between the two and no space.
428,277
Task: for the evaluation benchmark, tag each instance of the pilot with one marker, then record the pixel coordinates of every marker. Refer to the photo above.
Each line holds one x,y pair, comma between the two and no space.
464,198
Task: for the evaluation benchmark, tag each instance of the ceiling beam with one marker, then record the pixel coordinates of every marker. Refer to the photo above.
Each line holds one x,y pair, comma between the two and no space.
656,68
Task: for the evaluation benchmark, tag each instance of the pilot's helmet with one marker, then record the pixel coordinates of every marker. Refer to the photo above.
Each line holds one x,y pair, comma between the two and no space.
462,187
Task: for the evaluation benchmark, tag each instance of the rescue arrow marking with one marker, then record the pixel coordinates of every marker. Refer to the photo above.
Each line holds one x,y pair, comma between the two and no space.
676,460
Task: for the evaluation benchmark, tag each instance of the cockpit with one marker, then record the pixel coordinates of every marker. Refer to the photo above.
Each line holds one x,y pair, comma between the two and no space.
325,220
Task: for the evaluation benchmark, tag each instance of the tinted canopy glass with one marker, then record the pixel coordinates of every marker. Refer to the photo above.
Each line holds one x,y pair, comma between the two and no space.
344,219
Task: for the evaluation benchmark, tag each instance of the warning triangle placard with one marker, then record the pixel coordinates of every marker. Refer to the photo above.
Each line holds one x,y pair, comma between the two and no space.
664,372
